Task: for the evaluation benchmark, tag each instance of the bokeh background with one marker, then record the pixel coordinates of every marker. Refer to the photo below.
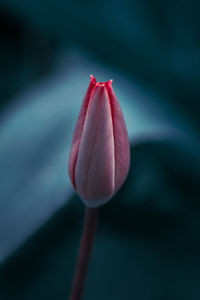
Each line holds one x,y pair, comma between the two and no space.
148,239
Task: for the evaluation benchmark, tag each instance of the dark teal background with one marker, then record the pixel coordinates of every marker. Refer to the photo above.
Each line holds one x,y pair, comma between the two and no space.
148,239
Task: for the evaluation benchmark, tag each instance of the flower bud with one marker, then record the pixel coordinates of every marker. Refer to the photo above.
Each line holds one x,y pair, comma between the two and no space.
100,154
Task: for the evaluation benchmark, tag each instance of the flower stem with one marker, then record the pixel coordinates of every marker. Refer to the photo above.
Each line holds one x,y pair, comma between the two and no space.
85,249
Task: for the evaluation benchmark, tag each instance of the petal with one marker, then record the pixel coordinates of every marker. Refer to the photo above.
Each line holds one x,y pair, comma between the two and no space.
121,141
78,131
95,167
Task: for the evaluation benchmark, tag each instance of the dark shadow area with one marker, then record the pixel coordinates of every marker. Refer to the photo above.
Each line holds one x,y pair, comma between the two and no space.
26,55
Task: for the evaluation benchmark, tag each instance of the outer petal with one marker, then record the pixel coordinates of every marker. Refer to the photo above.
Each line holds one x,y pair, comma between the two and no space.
121,142
95,166
78,131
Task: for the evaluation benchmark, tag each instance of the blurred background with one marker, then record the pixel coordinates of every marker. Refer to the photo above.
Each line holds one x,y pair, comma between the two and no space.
148,239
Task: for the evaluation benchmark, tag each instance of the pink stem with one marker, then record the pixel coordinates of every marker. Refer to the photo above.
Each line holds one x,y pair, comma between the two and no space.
85,249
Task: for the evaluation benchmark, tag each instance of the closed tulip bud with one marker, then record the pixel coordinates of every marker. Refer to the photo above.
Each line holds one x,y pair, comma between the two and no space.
100,155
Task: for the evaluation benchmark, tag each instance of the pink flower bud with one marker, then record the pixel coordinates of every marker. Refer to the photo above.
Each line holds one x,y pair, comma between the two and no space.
100,155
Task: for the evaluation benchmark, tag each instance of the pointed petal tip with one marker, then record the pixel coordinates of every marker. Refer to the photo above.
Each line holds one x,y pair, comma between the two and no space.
93,79
109,83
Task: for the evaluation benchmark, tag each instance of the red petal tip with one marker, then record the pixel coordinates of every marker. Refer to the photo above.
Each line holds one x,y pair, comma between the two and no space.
109,83
106,83
93,79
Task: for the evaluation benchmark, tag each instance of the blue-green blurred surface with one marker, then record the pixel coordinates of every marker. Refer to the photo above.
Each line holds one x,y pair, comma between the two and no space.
148,240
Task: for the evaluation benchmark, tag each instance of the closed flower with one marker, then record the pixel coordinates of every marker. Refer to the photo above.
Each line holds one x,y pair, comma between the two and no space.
100,156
